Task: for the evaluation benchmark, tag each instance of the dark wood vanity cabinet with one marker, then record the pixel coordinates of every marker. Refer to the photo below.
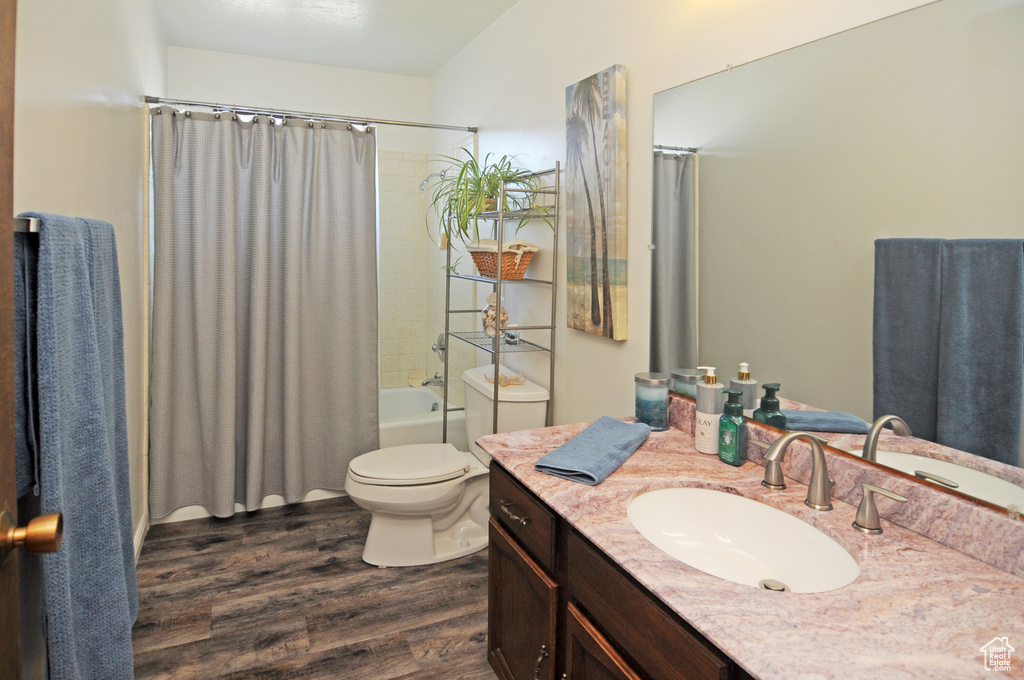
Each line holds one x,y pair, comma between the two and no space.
560,609
522,612
589,655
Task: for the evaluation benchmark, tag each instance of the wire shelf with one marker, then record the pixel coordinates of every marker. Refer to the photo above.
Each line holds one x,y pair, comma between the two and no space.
481,340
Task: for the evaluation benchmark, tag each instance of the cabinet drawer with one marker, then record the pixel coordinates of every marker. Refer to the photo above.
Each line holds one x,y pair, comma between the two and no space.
524,516
664,648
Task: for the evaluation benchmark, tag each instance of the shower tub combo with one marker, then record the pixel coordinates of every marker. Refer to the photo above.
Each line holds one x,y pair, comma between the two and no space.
412,415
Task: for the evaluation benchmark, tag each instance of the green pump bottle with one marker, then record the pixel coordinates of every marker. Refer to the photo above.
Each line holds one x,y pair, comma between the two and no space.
732,432
769,412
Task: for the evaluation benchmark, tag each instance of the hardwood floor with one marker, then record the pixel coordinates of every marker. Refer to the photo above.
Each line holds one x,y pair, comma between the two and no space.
282,593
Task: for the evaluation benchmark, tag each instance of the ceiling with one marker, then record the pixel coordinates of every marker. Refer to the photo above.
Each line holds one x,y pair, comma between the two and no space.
408,37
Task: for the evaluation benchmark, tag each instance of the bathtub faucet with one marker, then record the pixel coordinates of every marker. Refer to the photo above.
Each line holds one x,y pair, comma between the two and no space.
436,380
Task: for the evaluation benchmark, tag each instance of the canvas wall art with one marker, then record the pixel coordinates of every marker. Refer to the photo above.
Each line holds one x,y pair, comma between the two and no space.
595,136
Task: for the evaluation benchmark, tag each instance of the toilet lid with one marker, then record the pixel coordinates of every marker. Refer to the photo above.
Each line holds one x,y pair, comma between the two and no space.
410,464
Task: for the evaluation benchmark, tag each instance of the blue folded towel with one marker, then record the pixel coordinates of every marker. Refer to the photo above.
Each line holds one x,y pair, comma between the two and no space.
596,452
825,421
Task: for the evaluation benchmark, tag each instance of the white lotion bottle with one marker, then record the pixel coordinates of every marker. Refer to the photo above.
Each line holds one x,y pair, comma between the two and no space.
710,404
748,387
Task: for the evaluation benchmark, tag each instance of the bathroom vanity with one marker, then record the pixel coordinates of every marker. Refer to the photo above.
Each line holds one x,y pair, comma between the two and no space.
577,592
538,630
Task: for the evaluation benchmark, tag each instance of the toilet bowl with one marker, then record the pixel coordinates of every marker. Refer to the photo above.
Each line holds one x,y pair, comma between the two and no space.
428,502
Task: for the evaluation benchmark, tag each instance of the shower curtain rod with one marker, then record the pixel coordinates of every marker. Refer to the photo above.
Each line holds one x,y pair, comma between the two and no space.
304,114
687,149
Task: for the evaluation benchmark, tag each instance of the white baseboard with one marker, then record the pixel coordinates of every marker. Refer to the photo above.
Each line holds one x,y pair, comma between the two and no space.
272,501
140,534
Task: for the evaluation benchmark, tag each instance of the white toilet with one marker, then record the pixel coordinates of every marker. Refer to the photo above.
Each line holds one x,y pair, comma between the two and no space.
429,501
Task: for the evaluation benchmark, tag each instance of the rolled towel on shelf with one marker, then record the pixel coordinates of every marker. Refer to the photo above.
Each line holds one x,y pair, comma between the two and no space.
596,452
825,421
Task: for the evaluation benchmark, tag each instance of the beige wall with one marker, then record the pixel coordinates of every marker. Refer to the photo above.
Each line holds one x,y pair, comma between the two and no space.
79,149
516,94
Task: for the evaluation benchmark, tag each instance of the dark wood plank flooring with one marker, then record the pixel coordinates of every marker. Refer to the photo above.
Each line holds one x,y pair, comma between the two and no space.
282,593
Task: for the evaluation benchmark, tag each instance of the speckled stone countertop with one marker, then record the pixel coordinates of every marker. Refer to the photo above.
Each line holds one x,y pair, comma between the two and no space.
918,609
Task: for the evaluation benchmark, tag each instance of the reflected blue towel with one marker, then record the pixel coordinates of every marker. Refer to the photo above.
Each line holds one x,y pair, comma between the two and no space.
76,421
949,341
596,452
825,421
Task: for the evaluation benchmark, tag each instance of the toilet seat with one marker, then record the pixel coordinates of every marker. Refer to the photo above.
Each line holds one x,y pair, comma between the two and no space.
410,465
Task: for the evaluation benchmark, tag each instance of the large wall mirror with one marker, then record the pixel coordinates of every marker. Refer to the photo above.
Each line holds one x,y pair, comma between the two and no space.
912,126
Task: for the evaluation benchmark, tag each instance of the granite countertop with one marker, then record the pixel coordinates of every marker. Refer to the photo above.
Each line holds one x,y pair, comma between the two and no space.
918,609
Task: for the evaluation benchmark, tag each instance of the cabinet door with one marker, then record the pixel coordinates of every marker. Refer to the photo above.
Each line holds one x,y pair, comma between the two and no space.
522,612
589,654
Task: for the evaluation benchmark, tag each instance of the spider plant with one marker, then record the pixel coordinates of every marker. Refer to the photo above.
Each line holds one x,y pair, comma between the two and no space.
468,188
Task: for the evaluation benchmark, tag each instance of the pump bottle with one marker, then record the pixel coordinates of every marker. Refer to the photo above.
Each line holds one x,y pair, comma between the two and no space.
709,412
769,412
748,387
732,436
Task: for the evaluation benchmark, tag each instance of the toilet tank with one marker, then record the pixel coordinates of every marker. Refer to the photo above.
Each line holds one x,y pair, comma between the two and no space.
520,407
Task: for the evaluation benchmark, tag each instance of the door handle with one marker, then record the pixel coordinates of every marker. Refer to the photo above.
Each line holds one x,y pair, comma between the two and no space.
41,535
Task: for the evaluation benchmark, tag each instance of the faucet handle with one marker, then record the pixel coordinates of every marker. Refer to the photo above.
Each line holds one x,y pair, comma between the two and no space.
867,514
773,478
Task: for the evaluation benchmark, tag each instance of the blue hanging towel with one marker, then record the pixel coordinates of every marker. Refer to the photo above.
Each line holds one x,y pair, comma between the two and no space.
949,341
75,440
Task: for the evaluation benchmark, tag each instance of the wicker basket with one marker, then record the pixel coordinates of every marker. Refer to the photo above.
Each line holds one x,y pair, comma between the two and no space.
515,258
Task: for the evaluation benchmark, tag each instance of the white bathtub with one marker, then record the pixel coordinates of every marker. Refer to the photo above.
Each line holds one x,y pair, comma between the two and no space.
406,418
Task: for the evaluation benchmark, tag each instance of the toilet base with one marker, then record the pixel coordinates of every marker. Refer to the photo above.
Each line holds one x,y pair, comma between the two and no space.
402,541
426,524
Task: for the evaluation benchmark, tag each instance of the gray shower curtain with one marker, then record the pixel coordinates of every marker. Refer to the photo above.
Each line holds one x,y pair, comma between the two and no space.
674,263
264,308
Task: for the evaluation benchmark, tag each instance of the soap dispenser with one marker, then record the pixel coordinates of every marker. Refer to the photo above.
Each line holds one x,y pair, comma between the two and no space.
732,435
709,412
769,412
748,387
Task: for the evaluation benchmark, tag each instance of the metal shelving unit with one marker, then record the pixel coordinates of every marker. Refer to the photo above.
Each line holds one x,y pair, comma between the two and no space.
495,344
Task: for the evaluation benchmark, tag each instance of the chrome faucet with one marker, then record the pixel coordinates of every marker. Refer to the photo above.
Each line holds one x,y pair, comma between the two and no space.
819,494
870,451
436,380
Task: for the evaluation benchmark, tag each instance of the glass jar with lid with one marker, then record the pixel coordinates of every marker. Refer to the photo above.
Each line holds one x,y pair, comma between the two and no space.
652,400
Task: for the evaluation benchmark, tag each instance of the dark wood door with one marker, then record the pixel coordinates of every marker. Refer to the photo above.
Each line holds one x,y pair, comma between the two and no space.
522,612
10,641
589,655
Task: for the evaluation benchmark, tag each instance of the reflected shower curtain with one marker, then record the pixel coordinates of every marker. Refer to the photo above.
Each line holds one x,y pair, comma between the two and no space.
674,263
264,309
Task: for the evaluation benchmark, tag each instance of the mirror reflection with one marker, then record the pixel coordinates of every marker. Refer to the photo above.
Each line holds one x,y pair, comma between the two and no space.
909,127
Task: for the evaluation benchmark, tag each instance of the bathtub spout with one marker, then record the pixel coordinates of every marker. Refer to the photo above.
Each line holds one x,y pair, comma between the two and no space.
436,380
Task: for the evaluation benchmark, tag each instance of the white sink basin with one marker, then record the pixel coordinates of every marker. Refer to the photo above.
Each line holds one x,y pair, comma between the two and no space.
970,481
741,540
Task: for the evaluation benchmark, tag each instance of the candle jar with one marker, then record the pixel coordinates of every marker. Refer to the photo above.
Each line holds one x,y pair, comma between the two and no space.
652,400
684,381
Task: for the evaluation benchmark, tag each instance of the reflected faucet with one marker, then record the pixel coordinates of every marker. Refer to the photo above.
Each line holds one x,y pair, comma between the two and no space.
870,451
436,380
819,494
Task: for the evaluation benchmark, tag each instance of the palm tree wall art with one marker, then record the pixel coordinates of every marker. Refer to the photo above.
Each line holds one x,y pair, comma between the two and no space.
595,124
